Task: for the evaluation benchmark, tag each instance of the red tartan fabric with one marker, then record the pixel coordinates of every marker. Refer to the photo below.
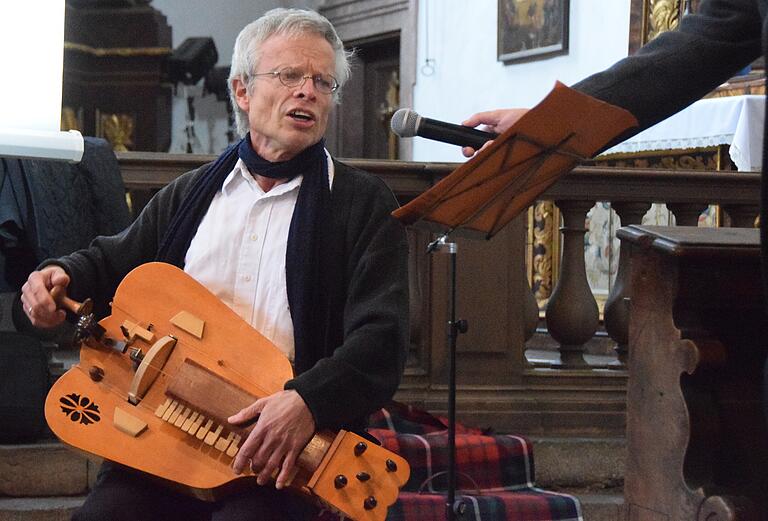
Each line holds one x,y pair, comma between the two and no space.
529,505
495,473
491,463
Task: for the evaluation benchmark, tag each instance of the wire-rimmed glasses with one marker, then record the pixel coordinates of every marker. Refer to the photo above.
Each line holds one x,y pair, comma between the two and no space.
292,77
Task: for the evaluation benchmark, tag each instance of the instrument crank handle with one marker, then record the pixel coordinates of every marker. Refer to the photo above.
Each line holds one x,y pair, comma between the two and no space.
87,326
59,295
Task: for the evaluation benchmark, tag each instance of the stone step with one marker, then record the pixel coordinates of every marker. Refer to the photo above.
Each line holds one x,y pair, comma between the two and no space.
39,509
595,464
601,507
44,469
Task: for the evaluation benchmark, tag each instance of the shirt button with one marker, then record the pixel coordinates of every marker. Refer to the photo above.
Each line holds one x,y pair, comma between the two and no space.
247,278
254,236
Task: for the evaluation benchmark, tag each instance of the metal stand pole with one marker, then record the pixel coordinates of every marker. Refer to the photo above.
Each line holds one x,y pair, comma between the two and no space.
455,327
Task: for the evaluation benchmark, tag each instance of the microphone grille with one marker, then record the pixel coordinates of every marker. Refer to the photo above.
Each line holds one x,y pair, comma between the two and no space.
404,122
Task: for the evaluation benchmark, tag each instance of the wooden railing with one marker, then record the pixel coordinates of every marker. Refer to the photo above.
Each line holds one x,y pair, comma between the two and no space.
498,386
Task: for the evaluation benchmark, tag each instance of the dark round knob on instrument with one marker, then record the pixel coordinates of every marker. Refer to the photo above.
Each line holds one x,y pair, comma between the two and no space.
370,503
96,373
340,481
363,476
360,448
391,466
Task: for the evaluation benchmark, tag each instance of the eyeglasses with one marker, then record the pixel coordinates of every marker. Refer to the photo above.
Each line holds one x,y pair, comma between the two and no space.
291,77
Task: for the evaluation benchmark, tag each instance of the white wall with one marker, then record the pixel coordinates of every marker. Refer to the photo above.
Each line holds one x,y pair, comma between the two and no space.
222,20
468,78
462,40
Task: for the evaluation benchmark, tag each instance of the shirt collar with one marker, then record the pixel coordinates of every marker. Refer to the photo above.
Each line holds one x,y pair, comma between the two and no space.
241,177
240,174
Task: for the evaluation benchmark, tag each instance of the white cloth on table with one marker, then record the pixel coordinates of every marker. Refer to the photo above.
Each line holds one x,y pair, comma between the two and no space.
732,120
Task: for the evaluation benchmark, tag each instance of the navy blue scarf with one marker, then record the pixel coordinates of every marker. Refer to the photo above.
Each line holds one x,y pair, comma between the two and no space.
305,239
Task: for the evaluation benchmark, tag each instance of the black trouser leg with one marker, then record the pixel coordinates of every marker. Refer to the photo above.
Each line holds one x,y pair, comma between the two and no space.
121,494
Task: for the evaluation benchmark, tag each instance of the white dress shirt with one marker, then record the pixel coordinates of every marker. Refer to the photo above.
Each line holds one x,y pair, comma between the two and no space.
238,252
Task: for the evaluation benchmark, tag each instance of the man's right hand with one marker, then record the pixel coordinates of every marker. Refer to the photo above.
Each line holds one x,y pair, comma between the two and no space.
36,298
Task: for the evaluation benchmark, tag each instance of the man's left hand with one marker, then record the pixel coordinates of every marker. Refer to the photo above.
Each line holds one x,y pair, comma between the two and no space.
284,427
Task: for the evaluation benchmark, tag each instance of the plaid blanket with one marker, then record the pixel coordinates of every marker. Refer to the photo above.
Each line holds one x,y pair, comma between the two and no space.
495,474
524,505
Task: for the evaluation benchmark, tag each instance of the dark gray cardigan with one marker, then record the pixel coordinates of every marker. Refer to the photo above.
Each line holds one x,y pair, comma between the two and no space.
360,333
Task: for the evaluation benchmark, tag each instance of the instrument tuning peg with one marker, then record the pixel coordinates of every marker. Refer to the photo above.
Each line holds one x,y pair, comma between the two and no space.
340,481
370,503
391,466
360,448
363,476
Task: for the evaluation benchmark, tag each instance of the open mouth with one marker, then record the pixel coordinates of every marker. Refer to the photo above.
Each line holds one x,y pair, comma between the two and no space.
300,115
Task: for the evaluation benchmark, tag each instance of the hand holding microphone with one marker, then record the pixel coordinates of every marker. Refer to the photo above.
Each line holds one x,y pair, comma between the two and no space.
407,123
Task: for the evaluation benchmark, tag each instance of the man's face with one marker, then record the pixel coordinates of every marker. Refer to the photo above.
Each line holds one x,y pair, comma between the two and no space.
285,120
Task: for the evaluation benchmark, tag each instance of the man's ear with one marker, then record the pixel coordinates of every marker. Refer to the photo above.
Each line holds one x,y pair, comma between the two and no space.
241,93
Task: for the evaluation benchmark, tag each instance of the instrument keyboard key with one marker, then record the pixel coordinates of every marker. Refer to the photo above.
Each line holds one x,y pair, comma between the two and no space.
174,416
212,436
204,430
223,443
163,407
182,417
169,411
190,421
234,446
196,425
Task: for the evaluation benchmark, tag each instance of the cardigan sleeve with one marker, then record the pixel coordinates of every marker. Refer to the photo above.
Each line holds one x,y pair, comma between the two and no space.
679,67
96,271
363,371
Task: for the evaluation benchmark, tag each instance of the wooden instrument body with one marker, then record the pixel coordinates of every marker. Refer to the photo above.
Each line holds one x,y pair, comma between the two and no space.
80,408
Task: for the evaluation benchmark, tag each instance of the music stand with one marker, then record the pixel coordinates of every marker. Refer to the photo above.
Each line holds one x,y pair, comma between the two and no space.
498,183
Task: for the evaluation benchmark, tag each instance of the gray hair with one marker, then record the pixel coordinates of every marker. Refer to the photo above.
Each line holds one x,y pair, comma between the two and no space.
292,22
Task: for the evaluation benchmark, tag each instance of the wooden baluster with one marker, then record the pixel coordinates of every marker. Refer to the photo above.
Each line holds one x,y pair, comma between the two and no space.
742,215
686,214
572,314
616,310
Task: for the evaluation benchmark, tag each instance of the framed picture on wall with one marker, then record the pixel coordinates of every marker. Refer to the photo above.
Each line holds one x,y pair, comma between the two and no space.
532,29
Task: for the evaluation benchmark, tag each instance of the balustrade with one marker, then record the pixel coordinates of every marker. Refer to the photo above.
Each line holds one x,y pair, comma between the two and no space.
497,385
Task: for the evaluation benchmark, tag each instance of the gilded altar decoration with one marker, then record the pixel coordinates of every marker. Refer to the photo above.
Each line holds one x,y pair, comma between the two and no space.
664,16
531,29
115,128
543,254
71,119
387,108
122,52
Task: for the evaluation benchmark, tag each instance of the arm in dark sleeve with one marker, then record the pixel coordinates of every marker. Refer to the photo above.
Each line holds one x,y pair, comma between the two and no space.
679,67
363,373
96,271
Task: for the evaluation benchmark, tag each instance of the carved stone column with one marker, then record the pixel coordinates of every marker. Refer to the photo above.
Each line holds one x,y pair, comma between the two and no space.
572,314
616,312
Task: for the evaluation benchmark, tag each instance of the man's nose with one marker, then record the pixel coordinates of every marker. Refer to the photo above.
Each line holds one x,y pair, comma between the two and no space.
306,89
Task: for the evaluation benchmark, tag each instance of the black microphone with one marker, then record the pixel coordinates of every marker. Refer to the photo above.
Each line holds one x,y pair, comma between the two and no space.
407,123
